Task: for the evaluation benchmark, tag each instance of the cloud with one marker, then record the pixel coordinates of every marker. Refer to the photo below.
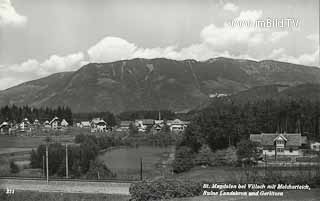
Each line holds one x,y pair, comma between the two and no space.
311,59
276,36
230,7
9,16
111,49
33,69
57,63
250,15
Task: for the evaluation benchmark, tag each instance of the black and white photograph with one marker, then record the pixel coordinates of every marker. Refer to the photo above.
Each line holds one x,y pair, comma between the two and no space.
172,100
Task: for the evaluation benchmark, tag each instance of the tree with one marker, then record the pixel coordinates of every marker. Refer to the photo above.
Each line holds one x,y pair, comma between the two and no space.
99,170
183,159
247,152
133,130
204,157
13,167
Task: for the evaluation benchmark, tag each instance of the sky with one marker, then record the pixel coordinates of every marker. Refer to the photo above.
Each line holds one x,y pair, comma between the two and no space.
41,37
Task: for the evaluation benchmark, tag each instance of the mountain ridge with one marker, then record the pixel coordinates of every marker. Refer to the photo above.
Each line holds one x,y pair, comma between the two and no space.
154,83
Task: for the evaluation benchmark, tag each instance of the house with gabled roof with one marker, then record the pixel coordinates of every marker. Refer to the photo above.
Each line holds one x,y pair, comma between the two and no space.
98,125
5,128
24,125
280,144
177,125
64,123
55,123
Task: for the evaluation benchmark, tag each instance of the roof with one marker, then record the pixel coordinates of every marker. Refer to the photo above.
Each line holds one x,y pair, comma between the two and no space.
64,122
125,123
147,121
54,119
85,123
4,124
267,139
176,122
96,120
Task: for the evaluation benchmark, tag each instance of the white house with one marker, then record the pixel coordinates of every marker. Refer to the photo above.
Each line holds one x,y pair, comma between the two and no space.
315,146
46,124
5,128
85,124
177,125
64,123
98,125
280,144
55,123
24,125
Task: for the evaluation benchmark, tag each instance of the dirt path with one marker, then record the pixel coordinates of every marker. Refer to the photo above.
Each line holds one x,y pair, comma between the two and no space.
66,186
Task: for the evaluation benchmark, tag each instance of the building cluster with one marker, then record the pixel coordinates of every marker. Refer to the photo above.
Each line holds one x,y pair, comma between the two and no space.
95,125
142,125
25,125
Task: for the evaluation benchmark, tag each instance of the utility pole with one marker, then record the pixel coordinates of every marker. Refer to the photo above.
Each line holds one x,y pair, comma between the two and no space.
43,165
141,178
67,168
47,163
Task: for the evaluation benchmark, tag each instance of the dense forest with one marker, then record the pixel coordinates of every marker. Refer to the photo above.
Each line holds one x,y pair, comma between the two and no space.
17,114
225,122
151,114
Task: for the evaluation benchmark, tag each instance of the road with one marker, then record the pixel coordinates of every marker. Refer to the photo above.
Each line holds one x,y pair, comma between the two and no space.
119,188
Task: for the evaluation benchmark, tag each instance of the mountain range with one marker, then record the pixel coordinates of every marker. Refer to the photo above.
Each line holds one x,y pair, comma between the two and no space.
152,84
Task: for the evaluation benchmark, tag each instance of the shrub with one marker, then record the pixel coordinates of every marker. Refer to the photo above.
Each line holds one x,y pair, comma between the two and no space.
98,170
224,157
164,189
183,159
204,157
13,167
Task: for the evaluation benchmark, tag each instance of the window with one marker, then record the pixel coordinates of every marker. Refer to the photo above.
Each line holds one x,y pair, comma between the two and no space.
291,150
280,150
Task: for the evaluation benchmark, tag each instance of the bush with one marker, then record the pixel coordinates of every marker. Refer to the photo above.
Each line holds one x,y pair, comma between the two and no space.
164,189
224,157
98,170
183,159
204,157
13,167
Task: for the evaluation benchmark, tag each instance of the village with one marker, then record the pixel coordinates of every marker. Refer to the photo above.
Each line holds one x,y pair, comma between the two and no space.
95,125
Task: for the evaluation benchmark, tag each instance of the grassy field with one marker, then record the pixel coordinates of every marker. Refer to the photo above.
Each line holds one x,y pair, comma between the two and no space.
37,196
125,162
242,175
17,148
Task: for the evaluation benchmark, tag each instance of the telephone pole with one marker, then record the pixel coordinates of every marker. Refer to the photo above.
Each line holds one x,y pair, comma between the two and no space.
67,168
47,163
141,177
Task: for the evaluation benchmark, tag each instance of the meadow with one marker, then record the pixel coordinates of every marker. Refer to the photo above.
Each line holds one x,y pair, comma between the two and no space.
125,162
39,196
18,148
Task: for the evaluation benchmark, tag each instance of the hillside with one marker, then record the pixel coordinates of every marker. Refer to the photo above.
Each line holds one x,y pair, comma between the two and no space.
145,84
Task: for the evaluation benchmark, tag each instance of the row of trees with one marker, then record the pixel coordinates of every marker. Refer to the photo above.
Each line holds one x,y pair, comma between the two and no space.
17,114
226,122
82,160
